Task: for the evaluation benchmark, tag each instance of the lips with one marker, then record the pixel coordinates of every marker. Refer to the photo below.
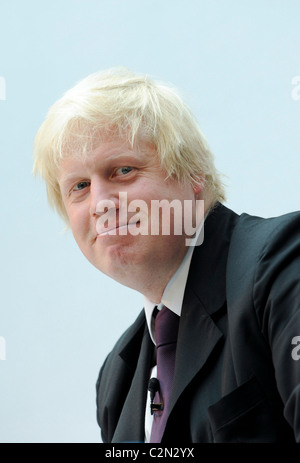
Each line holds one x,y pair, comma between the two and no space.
122,230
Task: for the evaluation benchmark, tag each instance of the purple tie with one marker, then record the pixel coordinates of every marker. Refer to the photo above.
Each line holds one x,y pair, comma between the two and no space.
166,329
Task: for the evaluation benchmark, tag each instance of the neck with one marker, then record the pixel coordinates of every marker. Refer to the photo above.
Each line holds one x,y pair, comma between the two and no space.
150,282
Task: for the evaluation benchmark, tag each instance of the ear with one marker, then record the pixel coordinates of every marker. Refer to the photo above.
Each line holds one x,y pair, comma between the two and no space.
198,186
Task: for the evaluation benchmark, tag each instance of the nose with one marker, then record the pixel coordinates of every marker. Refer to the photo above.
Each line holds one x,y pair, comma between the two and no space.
102,198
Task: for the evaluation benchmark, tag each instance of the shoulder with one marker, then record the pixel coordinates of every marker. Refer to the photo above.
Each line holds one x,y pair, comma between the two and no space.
126,345
259,249
115,376
248,226
253,236
262,253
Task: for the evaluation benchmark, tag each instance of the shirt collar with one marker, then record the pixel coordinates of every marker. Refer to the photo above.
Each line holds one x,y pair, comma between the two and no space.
174,291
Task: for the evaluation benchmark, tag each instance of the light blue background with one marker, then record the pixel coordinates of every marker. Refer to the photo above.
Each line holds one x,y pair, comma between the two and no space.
233,62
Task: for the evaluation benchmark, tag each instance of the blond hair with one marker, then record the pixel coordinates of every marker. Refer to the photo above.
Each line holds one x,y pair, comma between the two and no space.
118,102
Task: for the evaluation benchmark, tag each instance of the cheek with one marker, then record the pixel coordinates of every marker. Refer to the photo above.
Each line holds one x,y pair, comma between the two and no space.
79,221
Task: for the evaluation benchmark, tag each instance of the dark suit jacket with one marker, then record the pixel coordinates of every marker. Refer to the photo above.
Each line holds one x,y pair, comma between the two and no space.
235,377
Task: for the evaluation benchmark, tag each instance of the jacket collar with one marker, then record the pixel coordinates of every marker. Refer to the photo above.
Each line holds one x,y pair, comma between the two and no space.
205,297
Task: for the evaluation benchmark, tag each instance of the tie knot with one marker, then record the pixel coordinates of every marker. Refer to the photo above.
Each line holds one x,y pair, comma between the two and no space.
166,327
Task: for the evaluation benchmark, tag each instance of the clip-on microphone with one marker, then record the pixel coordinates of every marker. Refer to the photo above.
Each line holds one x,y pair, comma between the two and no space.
153,387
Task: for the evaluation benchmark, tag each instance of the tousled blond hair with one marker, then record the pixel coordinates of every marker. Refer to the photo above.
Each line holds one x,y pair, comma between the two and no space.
118,102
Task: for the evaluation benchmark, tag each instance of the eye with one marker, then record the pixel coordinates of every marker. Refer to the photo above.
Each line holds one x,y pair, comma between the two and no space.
124,170
81,185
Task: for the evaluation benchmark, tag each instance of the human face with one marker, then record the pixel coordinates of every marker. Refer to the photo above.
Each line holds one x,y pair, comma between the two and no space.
143,262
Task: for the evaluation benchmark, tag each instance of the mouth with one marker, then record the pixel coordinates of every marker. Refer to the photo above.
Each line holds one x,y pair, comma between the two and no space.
119,230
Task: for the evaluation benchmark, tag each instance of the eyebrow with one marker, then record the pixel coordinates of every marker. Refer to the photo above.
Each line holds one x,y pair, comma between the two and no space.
69,176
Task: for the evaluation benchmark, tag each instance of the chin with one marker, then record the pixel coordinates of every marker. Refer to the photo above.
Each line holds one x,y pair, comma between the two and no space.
115,259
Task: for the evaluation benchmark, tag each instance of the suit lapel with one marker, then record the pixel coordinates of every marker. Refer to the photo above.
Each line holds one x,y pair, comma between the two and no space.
130,426
205,295
197,338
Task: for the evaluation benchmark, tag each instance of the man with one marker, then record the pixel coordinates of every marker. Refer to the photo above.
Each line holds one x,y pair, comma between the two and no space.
111,149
